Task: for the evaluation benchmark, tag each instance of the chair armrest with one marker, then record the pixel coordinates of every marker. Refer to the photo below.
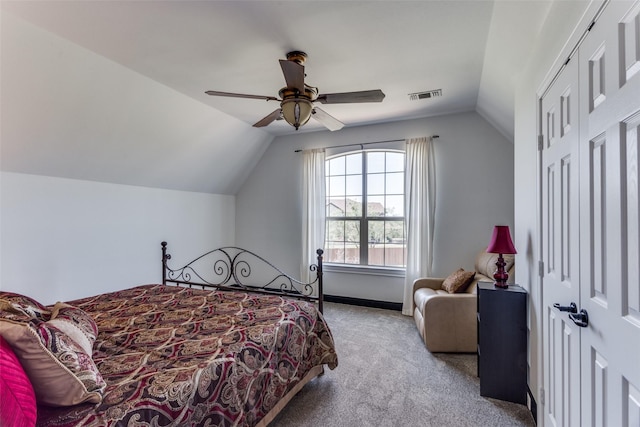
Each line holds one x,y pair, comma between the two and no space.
451,323
434,283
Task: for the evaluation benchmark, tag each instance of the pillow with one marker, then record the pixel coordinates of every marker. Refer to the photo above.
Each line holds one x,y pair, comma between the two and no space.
17,399
76,323
55,350
21,307
458,281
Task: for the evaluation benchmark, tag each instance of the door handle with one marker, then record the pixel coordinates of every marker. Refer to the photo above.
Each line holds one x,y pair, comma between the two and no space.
581,319
571,308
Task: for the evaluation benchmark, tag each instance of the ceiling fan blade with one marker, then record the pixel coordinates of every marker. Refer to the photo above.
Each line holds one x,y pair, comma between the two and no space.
351,97
267,120
240,95
327,120
293,74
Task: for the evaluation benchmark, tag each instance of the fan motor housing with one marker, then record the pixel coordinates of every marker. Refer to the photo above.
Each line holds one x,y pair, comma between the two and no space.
310,93
297,56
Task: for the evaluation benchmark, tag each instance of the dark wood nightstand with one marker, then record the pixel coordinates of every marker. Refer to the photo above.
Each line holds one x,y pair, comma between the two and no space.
502,342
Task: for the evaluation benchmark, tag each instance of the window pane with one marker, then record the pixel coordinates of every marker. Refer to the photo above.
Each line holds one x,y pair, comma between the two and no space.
394,232
351,253
376,233
375,183
352,242
335,231
336,186
386,243
395,256
376,243
335,206
376,255
375,206
353,207
354,185
394,206
352,231
395,183
336,166
395,251
354,164
395,162
342,242
375,161
334,252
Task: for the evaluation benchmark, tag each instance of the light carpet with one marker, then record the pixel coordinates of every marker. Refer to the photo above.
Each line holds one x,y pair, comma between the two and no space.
386,377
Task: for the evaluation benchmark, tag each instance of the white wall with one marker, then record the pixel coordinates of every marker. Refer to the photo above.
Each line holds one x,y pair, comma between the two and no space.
474,176
62,239
552,47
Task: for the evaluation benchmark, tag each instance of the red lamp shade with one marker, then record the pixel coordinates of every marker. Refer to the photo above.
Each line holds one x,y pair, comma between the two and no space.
501,241
501,244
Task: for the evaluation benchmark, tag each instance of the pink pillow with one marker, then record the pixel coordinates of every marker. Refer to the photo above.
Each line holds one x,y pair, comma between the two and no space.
17,399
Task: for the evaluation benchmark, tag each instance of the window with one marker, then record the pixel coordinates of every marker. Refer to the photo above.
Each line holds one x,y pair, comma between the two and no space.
365,209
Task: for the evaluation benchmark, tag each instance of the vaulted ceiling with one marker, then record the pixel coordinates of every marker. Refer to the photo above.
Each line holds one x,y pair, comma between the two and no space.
472,50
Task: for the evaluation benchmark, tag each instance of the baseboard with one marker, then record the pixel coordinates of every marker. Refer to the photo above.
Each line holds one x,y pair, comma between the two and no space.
533,406
397,306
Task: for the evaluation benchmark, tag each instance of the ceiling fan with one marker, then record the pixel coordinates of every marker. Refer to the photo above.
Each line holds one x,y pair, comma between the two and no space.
297,98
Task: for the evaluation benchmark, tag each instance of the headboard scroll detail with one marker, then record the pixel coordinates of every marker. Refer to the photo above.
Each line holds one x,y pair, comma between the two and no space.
234,268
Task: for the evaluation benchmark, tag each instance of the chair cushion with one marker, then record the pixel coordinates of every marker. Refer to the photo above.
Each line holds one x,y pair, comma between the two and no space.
421,296
458,281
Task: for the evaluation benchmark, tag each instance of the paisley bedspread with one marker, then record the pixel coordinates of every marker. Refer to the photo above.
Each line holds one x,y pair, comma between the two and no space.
180,356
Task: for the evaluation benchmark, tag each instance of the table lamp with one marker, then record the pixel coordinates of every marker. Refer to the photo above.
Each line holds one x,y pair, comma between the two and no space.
501,244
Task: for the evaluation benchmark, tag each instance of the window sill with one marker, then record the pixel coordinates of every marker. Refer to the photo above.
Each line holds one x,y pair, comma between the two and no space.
363,269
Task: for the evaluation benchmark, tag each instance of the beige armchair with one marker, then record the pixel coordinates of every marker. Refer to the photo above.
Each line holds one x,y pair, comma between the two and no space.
447,321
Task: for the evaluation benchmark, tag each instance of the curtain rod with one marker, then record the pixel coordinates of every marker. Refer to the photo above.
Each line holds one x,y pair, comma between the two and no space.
367,143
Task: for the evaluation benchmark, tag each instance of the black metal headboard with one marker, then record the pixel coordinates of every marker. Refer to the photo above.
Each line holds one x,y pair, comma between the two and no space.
233,268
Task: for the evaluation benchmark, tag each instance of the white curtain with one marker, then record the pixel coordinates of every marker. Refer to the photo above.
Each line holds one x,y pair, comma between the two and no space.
419,214
313,208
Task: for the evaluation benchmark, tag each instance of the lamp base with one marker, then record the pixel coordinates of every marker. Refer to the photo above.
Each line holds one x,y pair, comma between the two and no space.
500,275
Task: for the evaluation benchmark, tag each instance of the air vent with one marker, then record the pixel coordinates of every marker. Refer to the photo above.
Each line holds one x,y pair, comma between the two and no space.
424,95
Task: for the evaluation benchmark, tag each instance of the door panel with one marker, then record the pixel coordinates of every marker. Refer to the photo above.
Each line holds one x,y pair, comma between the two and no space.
609,224
559,109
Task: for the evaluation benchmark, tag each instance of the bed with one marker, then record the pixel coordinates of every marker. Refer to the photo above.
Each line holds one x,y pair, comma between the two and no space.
218,343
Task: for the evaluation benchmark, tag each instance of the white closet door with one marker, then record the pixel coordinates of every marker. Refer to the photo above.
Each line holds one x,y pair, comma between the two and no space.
610,218
560,249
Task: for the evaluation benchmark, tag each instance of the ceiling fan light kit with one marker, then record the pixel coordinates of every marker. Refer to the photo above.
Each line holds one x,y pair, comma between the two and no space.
296,111
297,98
296,107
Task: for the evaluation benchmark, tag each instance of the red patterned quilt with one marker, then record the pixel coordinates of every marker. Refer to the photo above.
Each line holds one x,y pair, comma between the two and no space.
180,356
